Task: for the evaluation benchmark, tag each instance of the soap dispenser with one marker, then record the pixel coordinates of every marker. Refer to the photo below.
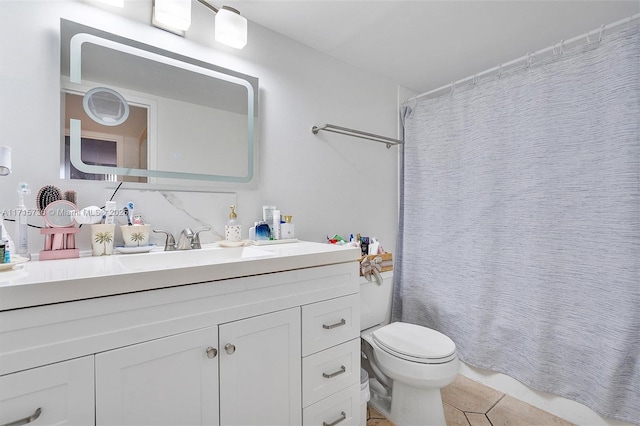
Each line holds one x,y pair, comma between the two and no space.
233,229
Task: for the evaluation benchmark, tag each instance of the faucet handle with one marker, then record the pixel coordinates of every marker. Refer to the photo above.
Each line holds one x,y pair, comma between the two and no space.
195,243
170,243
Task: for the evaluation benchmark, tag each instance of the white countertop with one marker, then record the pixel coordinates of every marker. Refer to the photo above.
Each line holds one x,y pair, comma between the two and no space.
54,281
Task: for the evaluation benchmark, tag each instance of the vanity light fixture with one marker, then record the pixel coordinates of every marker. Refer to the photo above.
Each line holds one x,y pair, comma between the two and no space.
231,28
172,15
5,160
175,16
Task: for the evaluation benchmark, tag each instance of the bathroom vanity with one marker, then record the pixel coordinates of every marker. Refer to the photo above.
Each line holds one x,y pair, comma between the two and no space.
245,335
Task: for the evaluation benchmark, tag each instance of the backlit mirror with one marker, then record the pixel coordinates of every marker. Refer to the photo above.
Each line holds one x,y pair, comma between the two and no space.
183,119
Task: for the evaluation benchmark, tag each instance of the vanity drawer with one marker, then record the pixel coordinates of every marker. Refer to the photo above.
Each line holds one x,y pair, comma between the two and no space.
329,323
326,372
61,393
340,409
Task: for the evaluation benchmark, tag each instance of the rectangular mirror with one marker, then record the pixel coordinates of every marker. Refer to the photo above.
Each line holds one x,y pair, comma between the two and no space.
134,112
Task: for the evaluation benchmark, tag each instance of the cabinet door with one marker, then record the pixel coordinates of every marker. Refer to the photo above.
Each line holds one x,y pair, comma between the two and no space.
169,381
60,394
260,370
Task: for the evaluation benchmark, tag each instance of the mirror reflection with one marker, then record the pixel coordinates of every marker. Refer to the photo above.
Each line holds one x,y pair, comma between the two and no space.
186,119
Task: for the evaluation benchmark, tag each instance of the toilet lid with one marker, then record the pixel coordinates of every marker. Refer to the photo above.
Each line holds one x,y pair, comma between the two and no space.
415,343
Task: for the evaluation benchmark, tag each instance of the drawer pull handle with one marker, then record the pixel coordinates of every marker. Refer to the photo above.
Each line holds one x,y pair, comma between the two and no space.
212,352
343,416
338,324
26,420
337,373
229,348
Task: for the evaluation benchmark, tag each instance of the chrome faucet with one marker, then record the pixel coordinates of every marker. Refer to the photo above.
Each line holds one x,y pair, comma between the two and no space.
185,240
188,239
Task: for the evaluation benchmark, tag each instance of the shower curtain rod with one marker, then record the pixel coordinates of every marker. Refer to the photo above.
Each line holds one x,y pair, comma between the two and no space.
528,57
356,134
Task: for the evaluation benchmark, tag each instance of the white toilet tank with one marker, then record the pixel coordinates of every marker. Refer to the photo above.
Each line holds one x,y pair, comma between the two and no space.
375,301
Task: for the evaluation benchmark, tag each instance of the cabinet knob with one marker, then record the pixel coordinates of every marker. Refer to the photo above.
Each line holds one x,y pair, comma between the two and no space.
229,348
212,352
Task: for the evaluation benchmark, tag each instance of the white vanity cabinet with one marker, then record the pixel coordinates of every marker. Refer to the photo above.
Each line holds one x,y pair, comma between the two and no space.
247,371
231,351
260,370
168,381
60,394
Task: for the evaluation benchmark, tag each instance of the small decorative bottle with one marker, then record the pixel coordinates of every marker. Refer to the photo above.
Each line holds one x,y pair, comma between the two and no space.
287,230
233,229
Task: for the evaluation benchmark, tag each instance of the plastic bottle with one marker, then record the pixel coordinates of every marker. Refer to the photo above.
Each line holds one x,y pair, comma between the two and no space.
8,242
22,237
7,251
233,229
275,225
109,212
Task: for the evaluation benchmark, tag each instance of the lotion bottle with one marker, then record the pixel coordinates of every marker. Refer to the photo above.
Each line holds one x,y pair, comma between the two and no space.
233,229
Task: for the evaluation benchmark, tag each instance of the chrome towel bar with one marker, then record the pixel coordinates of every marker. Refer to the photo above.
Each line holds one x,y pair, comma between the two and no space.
357,134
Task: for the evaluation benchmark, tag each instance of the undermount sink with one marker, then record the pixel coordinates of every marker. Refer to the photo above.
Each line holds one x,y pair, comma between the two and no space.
186,258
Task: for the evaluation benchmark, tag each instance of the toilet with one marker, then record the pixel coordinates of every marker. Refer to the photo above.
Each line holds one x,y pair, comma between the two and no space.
407,364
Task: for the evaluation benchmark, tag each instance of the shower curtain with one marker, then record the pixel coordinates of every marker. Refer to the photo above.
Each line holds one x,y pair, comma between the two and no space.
520,222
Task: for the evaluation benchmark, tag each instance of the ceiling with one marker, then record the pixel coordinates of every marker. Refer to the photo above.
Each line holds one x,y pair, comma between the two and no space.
423,45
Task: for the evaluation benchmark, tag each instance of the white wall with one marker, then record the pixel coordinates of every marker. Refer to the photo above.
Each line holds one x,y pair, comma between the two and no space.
329,183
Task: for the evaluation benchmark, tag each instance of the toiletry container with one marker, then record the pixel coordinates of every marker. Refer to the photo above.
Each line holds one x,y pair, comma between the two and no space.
110,212
287,229
9,247
233,229
275,226
263,231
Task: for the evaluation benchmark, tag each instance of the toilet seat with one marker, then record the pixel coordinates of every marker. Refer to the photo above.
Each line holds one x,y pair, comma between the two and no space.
415,343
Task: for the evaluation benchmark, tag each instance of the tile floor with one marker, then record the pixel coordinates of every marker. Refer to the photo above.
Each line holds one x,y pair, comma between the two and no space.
469,403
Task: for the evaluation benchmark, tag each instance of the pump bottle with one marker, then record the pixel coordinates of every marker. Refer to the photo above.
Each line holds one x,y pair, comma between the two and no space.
233,229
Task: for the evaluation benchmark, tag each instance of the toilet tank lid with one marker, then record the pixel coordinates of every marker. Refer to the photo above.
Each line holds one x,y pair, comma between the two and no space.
414,340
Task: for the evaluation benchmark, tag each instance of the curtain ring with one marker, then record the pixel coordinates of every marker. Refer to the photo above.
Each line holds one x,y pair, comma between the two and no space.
475,77
588,39
562,47
528,59
499,70
453,87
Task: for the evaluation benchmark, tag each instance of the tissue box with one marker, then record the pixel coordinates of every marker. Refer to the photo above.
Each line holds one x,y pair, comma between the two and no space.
386,264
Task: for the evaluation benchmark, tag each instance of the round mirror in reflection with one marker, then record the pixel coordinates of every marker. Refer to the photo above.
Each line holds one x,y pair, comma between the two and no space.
105,106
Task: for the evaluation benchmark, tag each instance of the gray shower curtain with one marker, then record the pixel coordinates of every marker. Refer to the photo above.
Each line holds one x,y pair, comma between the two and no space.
520,223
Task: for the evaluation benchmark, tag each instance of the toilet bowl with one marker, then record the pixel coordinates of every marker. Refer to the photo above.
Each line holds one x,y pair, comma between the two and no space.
409,365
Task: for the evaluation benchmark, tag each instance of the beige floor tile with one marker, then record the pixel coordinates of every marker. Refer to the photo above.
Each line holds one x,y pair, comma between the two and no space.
470,396
513,412
372,413
454,417
379,422
477,419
